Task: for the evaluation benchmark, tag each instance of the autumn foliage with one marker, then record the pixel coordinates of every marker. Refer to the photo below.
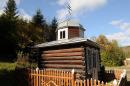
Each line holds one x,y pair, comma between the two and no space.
111,53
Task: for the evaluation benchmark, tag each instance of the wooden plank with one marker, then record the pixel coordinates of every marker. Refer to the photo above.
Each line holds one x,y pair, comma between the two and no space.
63,58
63,62
64,50
63,54
64,66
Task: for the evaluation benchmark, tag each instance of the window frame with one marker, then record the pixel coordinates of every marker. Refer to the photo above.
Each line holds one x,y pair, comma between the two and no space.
62,34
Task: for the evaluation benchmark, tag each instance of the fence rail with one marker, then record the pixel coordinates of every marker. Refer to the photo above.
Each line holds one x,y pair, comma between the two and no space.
50,78
59,78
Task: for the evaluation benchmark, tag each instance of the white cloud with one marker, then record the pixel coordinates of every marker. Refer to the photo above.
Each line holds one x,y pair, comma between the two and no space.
123,37
1,12
17,2
80,6
62,2
3,3
61,14
119,36
121,24
24,15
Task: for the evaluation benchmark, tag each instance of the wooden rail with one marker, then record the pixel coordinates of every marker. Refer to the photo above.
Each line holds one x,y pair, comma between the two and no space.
59,78
49,78
64,66
63,58
64,62
64,50
63,54
119,75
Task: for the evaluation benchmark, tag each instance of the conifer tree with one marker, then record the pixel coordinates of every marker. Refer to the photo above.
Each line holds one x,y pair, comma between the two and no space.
53,25
39,27
8,29
11,10
38,18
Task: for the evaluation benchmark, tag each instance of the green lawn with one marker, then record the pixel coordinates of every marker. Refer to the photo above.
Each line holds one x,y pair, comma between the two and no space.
11,77
7,74
7,66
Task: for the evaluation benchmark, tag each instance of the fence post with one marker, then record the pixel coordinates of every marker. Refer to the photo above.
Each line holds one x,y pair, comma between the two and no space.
73,77
99,83
91,82
85,84
37,69
102,83
88,82
95,82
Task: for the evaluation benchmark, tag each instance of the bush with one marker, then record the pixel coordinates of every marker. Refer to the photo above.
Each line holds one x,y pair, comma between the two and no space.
111,53
23,61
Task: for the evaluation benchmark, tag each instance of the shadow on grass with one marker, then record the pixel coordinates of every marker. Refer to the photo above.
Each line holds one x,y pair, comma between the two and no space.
9,60
7,78
128,83
12,78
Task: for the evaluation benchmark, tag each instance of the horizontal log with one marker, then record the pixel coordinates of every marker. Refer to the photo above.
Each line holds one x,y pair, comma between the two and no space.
64,62
81,71
63,58
63,54
64,50
64,66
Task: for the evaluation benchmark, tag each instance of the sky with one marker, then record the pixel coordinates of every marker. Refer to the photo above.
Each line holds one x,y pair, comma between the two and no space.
108,17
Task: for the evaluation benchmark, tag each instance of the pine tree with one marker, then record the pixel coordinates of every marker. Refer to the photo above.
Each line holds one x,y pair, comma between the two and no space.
11,10
40,27
38,18
53,25
8,30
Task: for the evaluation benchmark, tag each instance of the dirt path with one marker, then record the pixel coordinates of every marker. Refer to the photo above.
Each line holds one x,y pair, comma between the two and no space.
123,67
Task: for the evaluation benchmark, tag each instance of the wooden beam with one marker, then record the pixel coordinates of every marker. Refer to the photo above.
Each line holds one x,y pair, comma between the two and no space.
64,50
63,54
64,62
63,58
64,66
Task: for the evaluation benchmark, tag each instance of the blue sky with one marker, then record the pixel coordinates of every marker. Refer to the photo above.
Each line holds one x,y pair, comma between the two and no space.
108,17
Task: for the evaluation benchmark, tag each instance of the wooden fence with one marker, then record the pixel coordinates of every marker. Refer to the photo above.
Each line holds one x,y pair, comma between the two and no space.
59,78
112,74
119,75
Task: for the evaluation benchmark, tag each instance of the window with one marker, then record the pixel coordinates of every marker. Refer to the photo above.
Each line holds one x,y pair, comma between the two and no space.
62,34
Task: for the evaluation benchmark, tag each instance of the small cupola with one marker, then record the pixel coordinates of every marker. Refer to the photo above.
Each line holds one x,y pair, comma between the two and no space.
69,29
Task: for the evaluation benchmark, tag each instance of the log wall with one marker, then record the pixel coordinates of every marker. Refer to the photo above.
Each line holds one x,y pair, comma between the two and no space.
63,59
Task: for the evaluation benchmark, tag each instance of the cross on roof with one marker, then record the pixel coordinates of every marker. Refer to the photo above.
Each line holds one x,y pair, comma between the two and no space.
68,6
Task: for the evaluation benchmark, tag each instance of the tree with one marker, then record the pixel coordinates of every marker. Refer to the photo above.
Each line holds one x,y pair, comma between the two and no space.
38,18
39,22
8,30
111,53
53,28
11,10
40,28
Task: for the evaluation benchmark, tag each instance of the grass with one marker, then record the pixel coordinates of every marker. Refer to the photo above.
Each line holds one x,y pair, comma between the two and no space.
7,74
10,75
7,66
